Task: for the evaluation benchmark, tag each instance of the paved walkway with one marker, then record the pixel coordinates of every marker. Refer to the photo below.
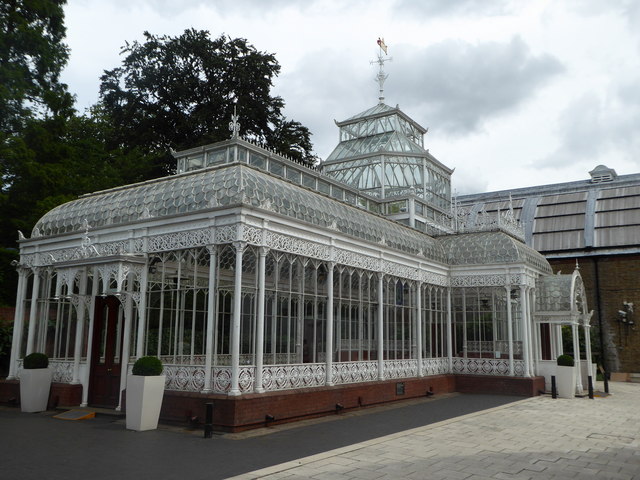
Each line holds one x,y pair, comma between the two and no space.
532,438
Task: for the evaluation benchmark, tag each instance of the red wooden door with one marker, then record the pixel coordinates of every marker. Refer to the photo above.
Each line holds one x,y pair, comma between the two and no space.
106,353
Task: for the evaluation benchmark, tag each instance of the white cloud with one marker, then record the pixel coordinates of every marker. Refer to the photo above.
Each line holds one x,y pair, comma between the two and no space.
592,127
460,85
430,8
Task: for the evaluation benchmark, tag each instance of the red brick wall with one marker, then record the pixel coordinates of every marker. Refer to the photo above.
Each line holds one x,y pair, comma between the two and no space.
530,387
619,281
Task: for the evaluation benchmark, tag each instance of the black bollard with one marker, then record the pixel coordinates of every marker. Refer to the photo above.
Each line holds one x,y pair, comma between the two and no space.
605,375
554,391
590,378
208,424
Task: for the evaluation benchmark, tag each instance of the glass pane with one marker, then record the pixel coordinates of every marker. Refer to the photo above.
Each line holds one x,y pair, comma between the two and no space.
323,187
257,160
293,175
308,181
276,167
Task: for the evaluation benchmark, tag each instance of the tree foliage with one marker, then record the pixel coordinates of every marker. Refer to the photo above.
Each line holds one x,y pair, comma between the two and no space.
32,55
53,161
34,106
179,92
48,154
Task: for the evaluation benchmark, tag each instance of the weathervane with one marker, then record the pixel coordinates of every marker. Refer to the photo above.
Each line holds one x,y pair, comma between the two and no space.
234,126
381,77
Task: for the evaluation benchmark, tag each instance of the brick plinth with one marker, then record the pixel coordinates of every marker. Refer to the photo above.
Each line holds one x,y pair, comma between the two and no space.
526,387
232,414
249,411
9,392
61,393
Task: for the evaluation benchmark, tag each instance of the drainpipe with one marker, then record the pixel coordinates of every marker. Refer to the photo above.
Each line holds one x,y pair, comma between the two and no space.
599,308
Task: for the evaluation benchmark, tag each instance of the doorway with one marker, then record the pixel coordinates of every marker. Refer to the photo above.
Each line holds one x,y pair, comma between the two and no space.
106,353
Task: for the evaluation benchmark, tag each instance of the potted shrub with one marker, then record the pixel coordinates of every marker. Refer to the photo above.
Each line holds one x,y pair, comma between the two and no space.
145,389
566,376
35,383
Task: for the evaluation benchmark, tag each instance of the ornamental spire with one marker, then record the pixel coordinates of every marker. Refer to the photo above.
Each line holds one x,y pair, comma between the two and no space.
234,126
381,77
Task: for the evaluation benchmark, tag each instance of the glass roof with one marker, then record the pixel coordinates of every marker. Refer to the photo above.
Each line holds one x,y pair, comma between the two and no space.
231,184
375,110
486,248
390,142
553,293
563,294
399,171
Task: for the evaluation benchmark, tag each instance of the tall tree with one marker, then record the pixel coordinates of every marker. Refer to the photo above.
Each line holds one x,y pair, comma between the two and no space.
32,55
179,92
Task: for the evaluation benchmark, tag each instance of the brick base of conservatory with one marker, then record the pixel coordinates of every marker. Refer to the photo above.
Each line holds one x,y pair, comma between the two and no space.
234,414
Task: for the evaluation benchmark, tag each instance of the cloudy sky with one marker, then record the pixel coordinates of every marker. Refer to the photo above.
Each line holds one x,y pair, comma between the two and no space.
515,93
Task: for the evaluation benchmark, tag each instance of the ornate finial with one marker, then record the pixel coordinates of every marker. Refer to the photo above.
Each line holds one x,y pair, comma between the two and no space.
146,213
87,249
20,235
234,126
381,77
577,265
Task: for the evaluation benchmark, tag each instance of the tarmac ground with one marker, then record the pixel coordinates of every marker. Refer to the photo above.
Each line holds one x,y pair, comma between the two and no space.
450,436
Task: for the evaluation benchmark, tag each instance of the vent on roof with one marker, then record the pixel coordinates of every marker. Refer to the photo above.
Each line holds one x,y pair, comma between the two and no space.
602,173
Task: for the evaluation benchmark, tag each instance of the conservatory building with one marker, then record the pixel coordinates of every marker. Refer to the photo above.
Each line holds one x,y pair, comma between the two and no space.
276,290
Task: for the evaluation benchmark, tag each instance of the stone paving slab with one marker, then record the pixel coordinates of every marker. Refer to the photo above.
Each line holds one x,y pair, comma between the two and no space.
534,438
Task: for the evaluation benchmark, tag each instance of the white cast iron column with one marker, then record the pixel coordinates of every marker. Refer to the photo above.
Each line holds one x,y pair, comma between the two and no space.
18,321
419,326
509,328
126,338
449,336
524,320
329,340
94,291
33,309
235,328
262,251
211,317
142,311
577,362
81,314
380,327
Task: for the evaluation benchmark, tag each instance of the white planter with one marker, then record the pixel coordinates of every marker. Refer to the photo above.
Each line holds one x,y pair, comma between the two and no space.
144,400
566,381
35,384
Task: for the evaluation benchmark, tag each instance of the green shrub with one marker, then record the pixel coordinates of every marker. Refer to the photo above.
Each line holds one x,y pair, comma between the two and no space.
565,361
147,367
35,360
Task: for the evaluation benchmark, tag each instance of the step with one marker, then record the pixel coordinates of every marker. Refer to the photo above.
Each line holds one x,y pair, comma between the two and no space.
77,414
98,411
634,377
